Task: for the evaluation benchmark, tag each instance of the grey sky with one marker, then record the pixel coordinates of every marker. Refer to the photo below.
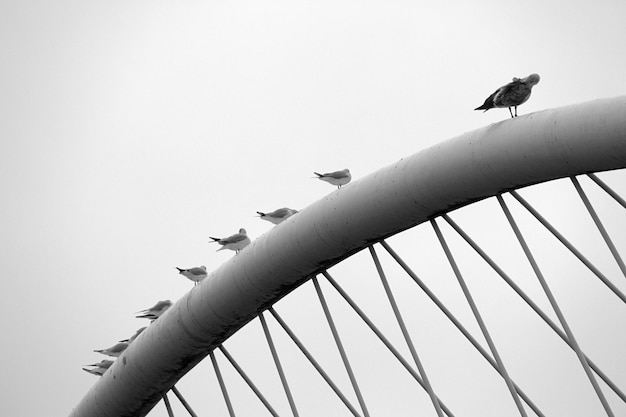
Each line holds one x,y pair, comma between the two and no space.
133,130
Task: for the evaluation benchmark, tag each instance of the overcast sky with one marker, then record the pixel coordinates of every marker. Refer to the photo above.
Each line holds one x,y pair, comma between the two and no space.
130,131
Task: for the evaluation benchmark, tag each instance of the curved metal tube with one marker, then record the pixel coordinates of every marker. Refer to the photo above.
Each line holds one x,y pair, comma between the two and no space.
511,154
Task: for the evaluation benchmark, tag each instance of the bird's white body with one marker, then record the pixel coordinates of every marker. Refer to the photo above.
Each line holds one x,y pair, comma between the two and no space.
155,311
277,216
98,371
338,178
195,274
236,242
104,364
115,350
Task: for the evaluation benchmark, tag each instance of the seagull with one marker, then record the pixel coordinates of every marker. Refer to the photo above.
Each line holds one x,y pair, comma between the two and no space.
236,242
115,350
337,178
96,371
104,364
513,94
155,311
277,216
196,274
133,337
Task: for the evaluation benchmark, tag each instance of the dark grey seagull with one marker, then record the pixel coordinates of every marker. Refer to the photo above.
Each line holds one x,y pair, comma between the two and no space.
513,94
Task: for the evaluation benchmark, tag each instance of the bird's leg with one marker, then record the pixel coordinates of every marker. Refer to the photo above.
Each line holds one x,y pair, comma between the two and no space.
510,111
515,111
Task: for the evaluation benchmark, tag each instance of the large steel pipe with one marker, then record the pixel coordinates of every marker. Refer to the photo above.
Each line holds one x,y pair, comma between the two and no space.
514,153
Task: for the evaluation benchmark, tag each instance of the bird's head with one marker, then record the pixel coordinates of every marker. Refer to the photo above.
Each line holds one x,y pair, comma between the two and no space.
532,79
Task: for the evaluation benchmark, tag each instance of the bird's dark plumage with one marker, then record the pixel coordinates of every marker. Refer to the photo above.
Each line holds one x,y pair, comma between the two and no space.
513,94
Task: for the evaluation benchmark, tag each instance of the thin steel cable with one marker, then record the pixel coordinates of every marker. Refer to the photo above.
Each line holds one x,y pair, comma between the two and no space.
183,401
220,379
381,337
279,367
168,406
555,305
530,302
599,225
405,333
313,362
569,246
608,189
342,351
248,381
479,319
457,323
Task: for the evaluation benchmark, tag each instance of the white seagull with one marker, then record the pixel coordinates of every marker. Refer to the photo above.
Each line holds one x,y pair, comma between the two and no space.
338,178
236,242
133,337
155,311
104,364
513,94
195,274
98,371
115,350
277,216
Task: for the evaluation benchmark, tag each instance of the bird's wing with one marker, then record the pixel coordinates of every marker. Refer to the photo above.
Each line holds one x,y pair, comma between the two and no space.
238,237
281,212
337,174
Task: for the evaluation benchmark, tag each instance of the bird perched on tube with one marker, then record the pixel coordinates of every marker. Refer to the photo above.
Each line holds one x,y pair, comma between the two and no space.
277,216
195,274
235,242
513,94
338,178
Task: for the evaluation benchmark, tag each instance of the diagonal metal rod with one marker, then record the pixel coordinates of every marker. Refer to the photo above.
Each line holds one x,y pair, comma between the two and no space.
555,305
599,225
608,189
342,351
220,379
313,362
405,333
168,406
531,303
569,246
381,336
457,323
248,381
183,401
479,319
279,367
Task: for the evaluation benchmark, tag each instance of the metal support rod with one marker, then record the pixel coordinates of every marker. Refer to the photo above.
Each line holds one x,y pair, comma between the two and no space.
457,323
342,351
168,406
405,333
599,225
479,319
183,401
555,305
279,367
313,362
531,303
608,189
220,379
569,246
381,337
248,381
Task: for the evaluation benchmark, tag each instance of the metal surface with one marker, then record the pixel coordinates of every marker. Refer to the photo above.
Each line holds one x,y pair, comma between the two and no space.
514,153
